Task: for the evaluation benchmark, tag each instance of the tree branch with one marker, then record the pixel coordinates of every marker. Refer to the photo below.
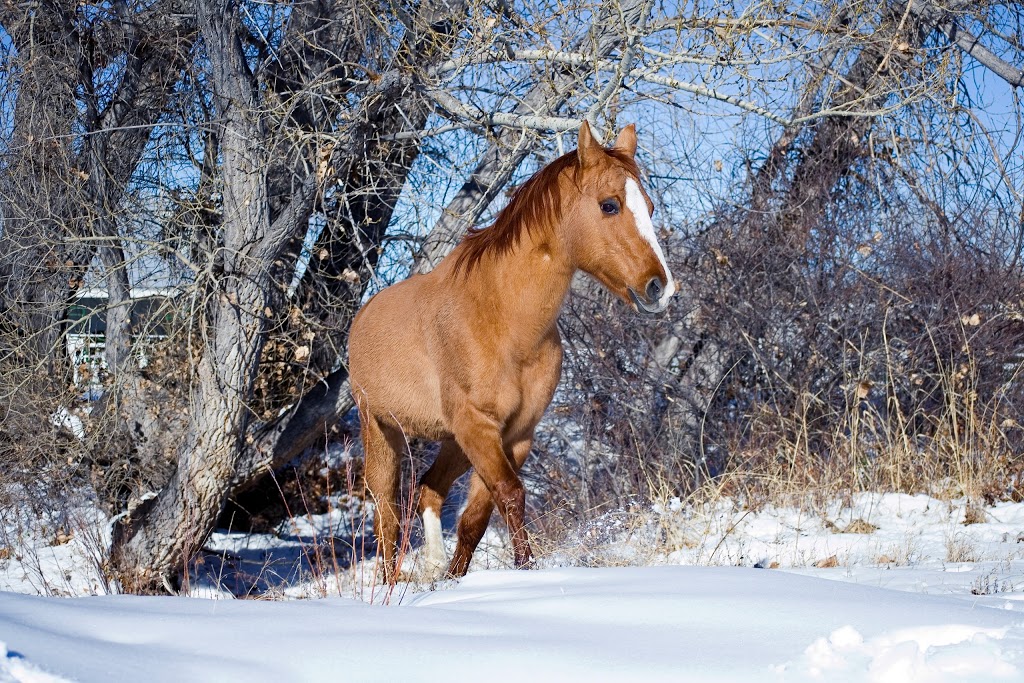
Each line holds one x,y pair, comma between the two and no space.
459,111
967,42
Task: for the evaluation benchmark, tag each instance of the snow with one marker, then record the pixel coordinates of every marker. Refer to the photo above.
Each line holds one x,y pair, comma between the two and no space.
569,624
725,594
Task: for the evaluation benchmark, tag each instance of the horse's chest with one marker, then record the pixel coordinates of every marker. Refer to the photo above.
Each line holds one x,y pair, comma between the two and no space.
537,377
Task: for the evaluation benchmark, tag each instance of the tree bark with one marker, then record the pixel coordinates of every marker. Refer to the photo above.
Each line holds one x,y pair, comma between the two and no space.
158,537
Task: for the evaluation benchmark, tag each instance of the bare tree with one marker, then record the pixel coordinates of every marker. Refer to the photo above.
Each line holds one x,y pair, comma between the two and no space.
271,157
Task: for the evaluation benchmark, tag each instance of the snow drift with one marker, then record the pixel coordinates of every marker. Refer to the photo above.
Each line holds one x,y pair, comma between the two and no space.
612,624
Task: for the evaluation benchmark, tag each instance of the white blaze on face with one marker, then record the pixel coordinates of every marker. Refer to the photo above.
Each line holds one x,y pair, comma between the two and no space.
637,205
434,543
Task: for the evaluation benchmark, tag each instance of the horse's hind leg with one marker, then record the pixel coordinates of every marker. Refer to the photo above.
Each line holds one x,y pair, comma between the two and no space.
477,516
451,463
382,469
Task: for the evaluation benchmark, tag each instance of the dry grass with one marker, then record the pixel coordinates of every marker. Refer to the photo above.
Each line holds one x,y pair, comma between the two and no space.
960,548
965,446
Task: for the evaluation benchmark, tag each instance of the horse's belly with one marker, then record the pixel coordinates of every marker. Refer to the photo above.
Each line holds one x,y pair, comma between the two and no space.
391,374
409,398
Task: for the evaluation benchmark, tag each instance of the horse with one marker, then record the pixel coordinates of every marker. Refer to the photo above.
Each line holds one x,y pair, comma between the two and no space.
469,354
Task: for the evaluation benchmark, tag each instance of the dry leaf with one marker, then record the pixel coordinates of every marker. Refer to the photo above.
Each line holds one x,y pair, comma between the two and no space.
864,388
859,526
828,563
62,537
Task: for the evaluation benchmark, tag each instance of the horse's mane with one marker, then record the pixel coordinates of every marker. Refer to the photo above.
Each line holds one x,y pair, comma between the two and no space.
535,205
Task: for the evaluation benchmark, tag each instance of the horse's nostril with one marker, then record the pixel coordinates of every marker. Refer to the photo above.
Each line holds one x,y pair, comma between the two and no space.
654,289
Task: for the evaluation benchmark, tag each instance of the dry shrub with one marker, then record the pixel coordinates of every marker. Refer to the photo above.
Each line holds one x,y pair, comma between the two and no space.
960,548
42,458
863,358
71,427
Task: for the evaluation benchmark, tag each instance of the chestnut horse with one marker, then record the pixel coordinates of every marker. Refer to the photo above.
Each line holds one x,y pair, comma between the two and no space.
469,354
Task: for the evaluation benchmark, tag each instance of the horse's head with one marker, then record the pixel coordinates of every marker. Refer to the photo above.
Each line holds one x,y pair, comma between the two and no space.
611,234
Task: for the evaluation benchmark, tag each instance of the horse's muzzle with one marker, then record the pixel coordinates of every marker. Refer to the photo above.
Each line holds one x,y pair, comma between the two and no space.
645,306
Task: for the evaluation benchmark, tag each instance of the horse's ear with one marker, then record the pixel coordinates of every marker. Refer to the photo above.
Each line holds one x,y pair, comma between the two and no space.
588,149
626,142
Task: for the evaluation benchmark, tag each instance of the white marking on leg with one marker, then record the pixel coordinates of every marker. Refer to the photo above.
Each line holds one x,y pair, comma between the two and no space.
433,542
637,205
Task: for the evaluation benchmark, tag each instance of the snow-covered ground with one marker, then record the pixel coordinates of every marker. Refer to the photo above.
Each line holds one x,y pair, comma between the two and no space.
885,588
570,624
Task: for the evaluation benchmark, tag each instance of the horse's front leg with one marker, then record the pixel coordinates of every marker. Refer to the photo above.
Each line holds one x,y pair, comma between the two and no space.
480,438
475,518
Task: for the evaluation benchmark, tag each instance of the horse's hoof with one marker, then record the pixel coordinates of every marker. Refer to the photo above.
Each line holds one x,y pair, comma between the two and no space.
432,569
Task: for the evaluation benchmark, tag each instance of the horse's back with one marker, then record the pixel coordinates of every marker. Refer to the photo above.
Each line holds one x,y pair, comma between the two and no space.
391,371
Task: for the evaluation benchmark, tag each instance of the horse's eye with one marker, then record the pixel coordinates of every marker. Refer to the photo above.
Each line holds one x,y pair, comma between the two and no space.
610,207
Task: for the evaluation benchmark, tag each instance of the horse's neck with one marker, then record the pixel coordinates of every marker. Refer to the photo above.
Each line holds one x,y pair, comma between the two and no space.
529,284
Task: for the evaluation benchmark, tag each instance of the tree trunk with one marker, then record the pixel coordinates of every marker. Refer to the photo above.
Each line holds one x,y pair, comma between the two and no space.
155,540
60,199
42,260
262,216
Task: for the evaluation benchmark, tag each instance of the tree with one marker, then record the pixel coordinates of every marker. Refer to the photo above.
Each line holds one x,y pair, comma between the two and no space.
277,163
